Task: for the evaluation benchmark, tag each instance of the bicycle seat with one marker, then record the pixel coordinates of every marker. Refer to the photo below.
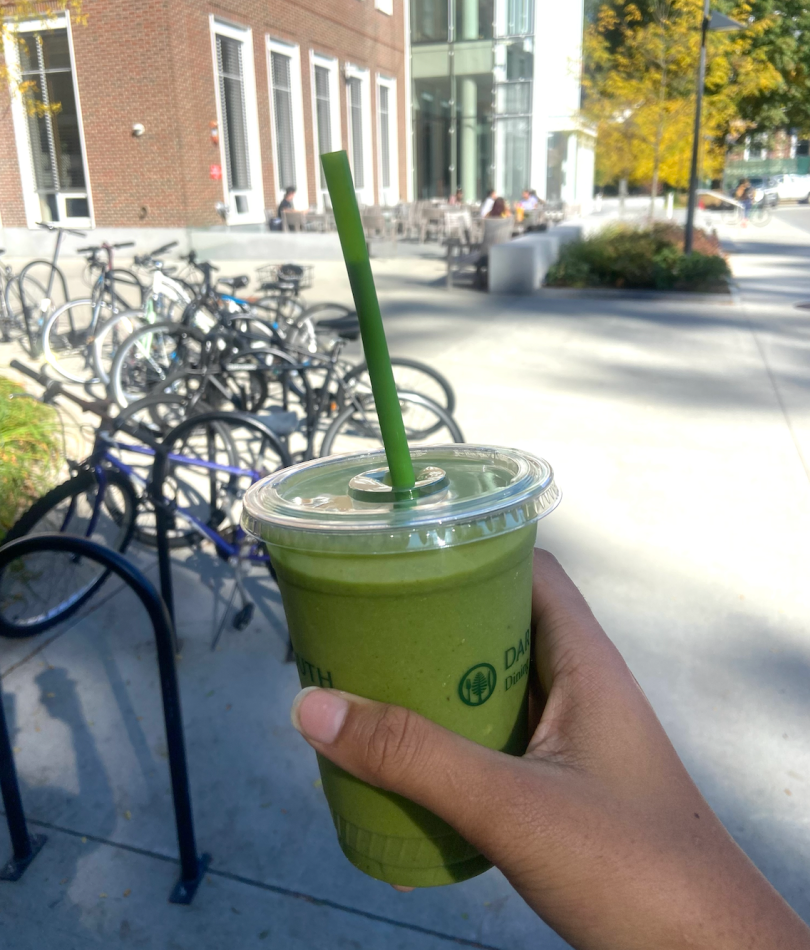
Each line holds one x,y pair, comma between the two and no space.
235,283
278,421
2,251
283,285
347,328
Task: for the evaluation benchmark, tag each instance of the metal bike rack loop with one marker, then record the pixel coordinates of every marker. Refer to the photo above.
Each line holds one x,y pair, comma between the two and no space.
25,845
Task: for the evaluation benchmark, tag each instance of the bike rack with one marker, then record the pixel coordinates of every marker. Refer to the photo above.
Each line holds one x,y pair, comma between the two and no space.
163,510
25,845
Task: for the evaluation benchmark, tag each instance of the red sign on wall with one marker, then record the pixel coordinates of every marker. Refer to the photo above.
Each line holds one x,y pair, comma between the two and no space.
215,172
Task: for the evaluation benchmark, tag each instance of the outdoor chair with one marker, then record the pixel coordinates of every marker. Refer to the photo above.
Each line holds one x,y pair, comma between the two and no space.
316,222
407,220
431,221
495,231
378,226
457,226
293,220
535,219
26,846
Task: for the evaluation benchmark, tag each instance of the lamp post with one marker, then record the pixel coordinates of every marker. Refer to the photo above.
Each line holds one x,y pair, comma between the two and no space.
716,23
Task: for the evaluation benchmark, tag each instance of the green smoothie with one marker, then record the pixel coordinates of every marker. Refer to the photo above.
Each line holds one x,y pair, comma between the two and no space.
425,605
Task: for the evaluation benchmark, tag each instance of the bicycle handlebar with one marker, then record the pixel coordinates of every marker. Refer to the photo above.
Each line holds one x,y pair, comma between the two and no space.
30,373
53,388
191,257
52,227
162,250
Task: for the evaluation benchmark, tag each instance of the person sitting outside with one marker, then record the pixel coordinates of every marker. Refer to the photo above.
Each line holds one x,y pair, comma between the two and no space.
489,201
529,201
498,209
286,202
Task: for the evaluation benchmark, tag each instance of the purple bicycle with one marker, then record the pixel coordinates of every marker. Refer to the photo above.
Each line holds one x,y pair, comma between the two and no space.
208,461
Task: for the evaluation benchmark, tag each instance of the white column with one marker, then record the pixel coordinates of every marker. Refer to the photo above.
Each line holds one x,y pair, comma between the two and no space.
469,20
468,157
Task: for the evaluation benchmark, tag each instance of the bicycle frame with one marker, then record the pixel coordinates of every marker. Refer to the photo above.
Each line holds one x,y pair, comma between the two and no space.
45,303
104,454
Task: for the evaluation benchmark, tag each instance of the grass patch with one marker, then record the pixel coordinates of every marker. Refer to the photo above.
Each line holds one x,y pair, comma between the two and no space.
648,258
30,452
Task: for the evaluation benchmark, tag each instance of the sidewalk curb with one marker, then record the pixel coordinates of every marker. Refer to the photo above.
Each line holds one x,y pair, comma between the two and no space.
731,299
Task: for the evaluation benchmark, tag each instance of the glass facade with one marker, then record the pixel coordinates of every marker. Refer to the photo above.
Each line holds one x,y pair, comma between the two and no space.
472,63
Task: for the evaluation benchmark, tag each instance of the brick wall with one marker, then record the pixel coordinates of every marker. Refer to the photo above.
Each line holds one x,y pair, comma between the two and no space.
150,61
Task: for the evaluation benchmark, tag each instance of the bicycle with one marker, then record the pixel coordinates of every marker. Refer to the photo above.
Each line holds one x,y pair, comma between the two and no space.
229,365
205,470
68,333
35,294
10,303
165,301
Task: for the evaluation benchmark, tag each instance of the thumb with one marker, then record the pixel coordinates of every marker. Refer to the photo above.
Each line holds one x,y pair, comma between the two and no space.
470,787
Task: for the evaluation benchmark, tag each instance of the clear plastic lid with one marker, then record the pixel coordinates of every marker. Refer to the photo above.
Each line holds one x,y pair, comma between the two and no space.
343,503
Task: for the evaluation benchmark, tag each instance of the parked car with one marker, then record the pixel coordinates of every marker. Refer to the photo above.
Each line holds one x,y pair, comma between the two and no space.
793,187
765,191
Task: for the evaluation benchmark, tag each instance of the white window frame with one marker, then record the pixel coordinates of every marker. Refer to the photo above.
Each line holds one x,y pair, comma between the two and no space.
388,196
31,199
385,6
301,197
255,213
331,64
365,195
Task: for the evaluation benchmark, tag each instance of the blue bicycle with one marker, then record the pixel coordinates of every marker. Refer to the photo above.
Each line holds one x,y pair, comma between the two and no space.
210,460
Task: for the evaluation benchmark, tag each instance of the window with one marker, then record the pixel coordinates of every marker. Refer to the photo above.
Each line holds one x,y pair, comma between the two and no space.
387,139
282,103
49,140
385,142
234,131
518,18
356,124
429,21
358,107
474,19
287,119
325,115
238,120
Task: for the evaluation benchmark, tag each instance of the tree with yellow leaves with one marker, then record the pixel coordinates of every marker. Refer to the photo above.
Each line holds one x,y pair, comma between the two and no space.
37,101
640,84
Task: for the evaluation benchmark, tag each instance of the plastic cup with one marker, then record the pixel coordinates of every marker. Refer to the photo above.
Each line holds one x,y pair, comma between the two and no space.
423,603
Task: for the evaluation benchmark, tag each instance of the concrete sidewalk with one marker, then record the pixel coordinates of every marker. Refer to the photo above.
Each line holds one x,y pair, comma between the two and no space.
678,433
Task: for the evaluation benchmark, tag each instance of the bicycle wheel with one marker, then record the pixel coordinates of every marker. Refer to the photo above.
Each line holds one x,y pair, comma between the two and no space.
109,336
410,376
239,384
14,322
760,216
43,588
121,290
357,427
242,450
67,339
155,415
149,356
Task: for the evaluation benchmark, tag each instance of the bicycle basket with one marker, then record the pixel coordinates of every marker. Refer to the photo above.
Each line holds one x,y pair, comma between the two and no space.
299,274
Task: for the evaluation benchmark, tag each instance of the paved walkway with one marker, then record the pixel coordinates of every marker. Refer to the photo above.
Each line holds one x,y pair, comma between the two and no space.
680,433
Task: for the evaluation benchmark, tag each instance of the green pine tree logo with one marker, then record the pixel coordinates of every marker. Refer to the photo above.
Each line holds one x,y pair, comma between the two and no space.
477,685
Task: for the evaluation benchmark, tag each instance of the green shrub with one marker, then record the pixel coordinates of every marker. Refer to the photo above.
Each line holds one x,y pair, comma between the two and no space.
640,259
30,451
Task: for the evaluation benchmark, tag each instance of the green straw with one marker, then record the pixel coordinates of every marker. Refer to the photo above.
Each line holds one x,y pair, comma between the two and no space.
355,252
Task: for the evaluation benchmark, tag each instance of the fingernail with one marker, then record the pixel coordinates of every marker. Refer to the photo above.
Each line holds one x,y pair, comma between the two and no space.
319,714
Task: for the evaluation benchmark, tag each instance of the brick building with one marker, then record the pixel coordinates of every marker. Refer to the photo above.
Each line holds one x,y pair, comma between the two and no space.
169,107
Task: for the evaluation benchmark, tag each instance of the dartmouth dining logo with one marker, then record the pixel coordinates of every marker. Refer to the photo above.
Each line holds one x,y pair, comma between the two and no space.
477,684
